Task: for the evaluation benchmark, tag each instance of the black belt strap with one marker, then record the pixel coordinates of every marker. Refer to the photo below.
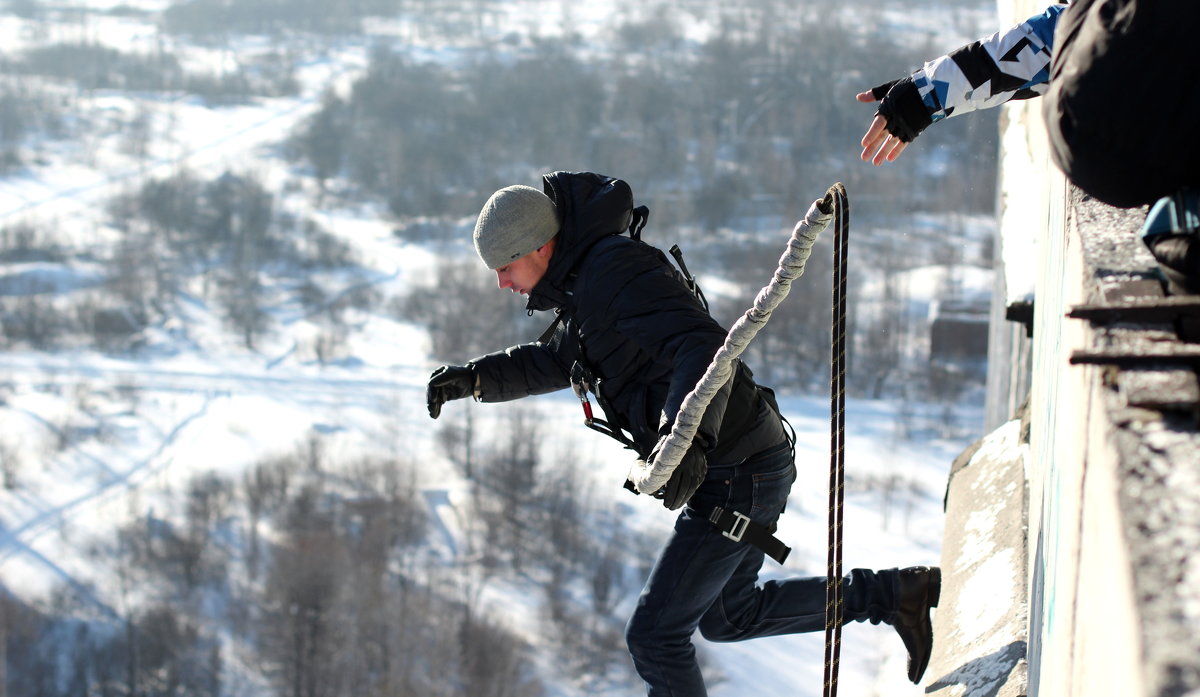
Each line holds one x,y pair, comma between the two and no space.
739,528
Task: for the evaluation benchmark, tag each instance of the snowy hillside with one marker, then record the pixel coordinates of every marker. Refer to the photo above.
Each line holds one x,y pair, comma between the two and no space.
217,475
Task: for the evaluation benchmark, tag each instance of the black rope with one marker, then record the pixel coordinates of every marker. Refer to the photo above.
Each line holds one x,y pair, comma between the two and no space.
836,197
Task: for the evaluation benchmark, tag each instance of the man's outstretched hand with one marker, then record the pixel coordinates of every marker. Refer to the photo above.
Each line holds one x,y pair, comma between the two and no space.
878,144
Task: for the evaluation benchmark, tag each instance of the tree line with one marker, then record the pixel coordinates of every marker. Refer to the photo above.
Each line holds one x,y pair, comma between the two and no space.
224,240
719,132
320,577
725,138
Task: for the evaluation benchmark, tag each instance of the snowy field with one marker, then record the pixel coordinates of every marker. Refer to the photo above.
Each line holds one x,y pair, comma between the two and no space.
100,440
194,416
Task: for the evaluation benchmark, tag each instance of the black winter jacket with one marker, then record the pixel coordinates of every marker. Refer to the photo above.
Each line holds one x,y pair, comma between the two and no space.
629,319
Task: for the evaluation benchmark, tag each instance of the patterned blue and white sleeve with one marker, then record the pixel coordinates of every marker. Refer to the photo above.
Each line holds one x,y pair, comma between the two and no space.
1006,65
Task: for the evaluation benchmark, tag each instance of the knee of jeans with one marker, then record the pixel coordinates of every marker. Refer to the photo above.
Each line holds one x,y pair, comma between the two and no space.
715,627
637,638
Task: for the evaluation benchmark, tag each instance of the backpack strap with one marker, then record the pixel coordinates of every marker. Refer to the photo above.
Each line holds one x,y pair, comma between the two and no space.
550,331
692,285
641,214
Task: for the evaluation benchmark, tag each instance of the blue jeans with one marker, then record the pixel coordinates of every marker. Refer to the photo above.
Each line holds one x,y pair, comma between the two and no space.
704,580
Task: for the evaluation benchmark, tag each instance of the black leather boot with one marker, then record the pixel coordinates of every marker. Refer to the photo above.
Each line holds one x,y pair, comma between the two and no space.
917,590
1178,258
1172,232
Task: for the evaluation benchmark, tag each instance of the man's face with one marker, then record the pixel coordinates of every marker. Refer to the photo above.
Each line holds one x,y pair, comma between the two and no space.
523,274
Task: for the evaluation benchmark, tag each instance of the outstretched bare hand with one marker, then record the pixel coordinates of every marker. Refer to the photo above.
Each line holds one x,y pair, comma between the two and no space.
878,144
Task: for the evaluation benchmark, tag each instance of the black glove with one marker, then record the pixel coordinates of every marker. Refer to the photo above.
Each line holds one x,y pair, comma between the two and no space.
686,478
902,106
880,91
447,383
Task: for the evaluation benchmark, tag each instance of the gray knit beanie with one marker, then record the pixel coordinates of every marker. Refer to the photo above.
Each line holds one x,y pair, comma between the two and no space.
515,221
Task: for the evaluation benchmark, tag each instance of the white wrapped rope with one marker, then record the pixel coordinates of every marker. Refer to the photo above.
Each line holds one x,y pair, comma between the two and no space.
650,477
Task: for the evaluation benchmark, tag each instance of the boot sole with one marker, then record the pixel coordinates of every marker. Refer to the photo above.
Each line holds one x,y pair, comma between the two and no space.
933,594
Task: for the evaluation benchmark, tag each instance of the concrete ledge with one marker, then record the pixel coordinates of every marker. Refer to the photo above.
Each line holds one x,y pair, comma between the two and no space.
981,624
1157,473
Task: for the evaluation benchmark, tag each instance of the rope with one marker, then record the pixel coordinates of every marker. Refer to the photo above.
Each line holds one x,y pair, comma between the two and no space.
837,446
650,477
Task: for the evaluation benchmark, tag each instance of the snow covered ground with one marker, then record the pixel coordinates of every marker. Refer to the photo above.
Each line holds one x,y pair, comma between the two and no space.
193,418
98,440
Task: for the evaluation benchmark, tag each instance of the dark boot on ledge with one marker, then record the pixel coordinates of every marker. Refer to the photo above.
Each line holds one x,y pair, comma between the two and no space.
917,589
1178,258
1172,232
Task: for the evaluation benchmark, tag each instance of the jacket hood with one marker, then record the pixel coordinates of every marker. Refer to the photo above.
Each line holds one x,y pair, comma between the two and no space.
590,207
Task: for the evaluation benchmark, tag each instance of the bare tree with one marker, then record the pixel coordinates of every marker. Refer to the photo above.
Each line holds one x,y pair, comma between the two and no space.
10,466
304,586
465,313
494,663
457,438
510,476
264,489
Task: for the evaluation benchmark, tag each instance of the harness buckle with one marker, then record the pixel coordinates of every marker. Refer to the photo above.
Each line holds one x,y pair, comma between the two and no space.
741,522
581,378
738,527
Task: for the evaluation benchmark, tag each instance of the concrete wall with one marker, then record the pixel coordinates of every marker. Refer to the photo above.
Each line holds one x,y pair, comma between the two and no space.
981,625
1083,633
1083,628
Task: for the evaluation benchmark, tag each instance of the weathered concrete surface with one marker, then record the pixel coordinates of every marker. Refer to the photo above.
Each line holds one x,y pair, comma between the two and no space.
1112,568
1157,473
981,623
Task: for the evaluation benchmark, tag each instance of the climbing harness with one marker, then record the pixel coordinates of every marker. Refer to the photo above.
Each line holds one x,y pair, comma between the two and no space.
649,477
582,378
739,528
583,382
837,447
